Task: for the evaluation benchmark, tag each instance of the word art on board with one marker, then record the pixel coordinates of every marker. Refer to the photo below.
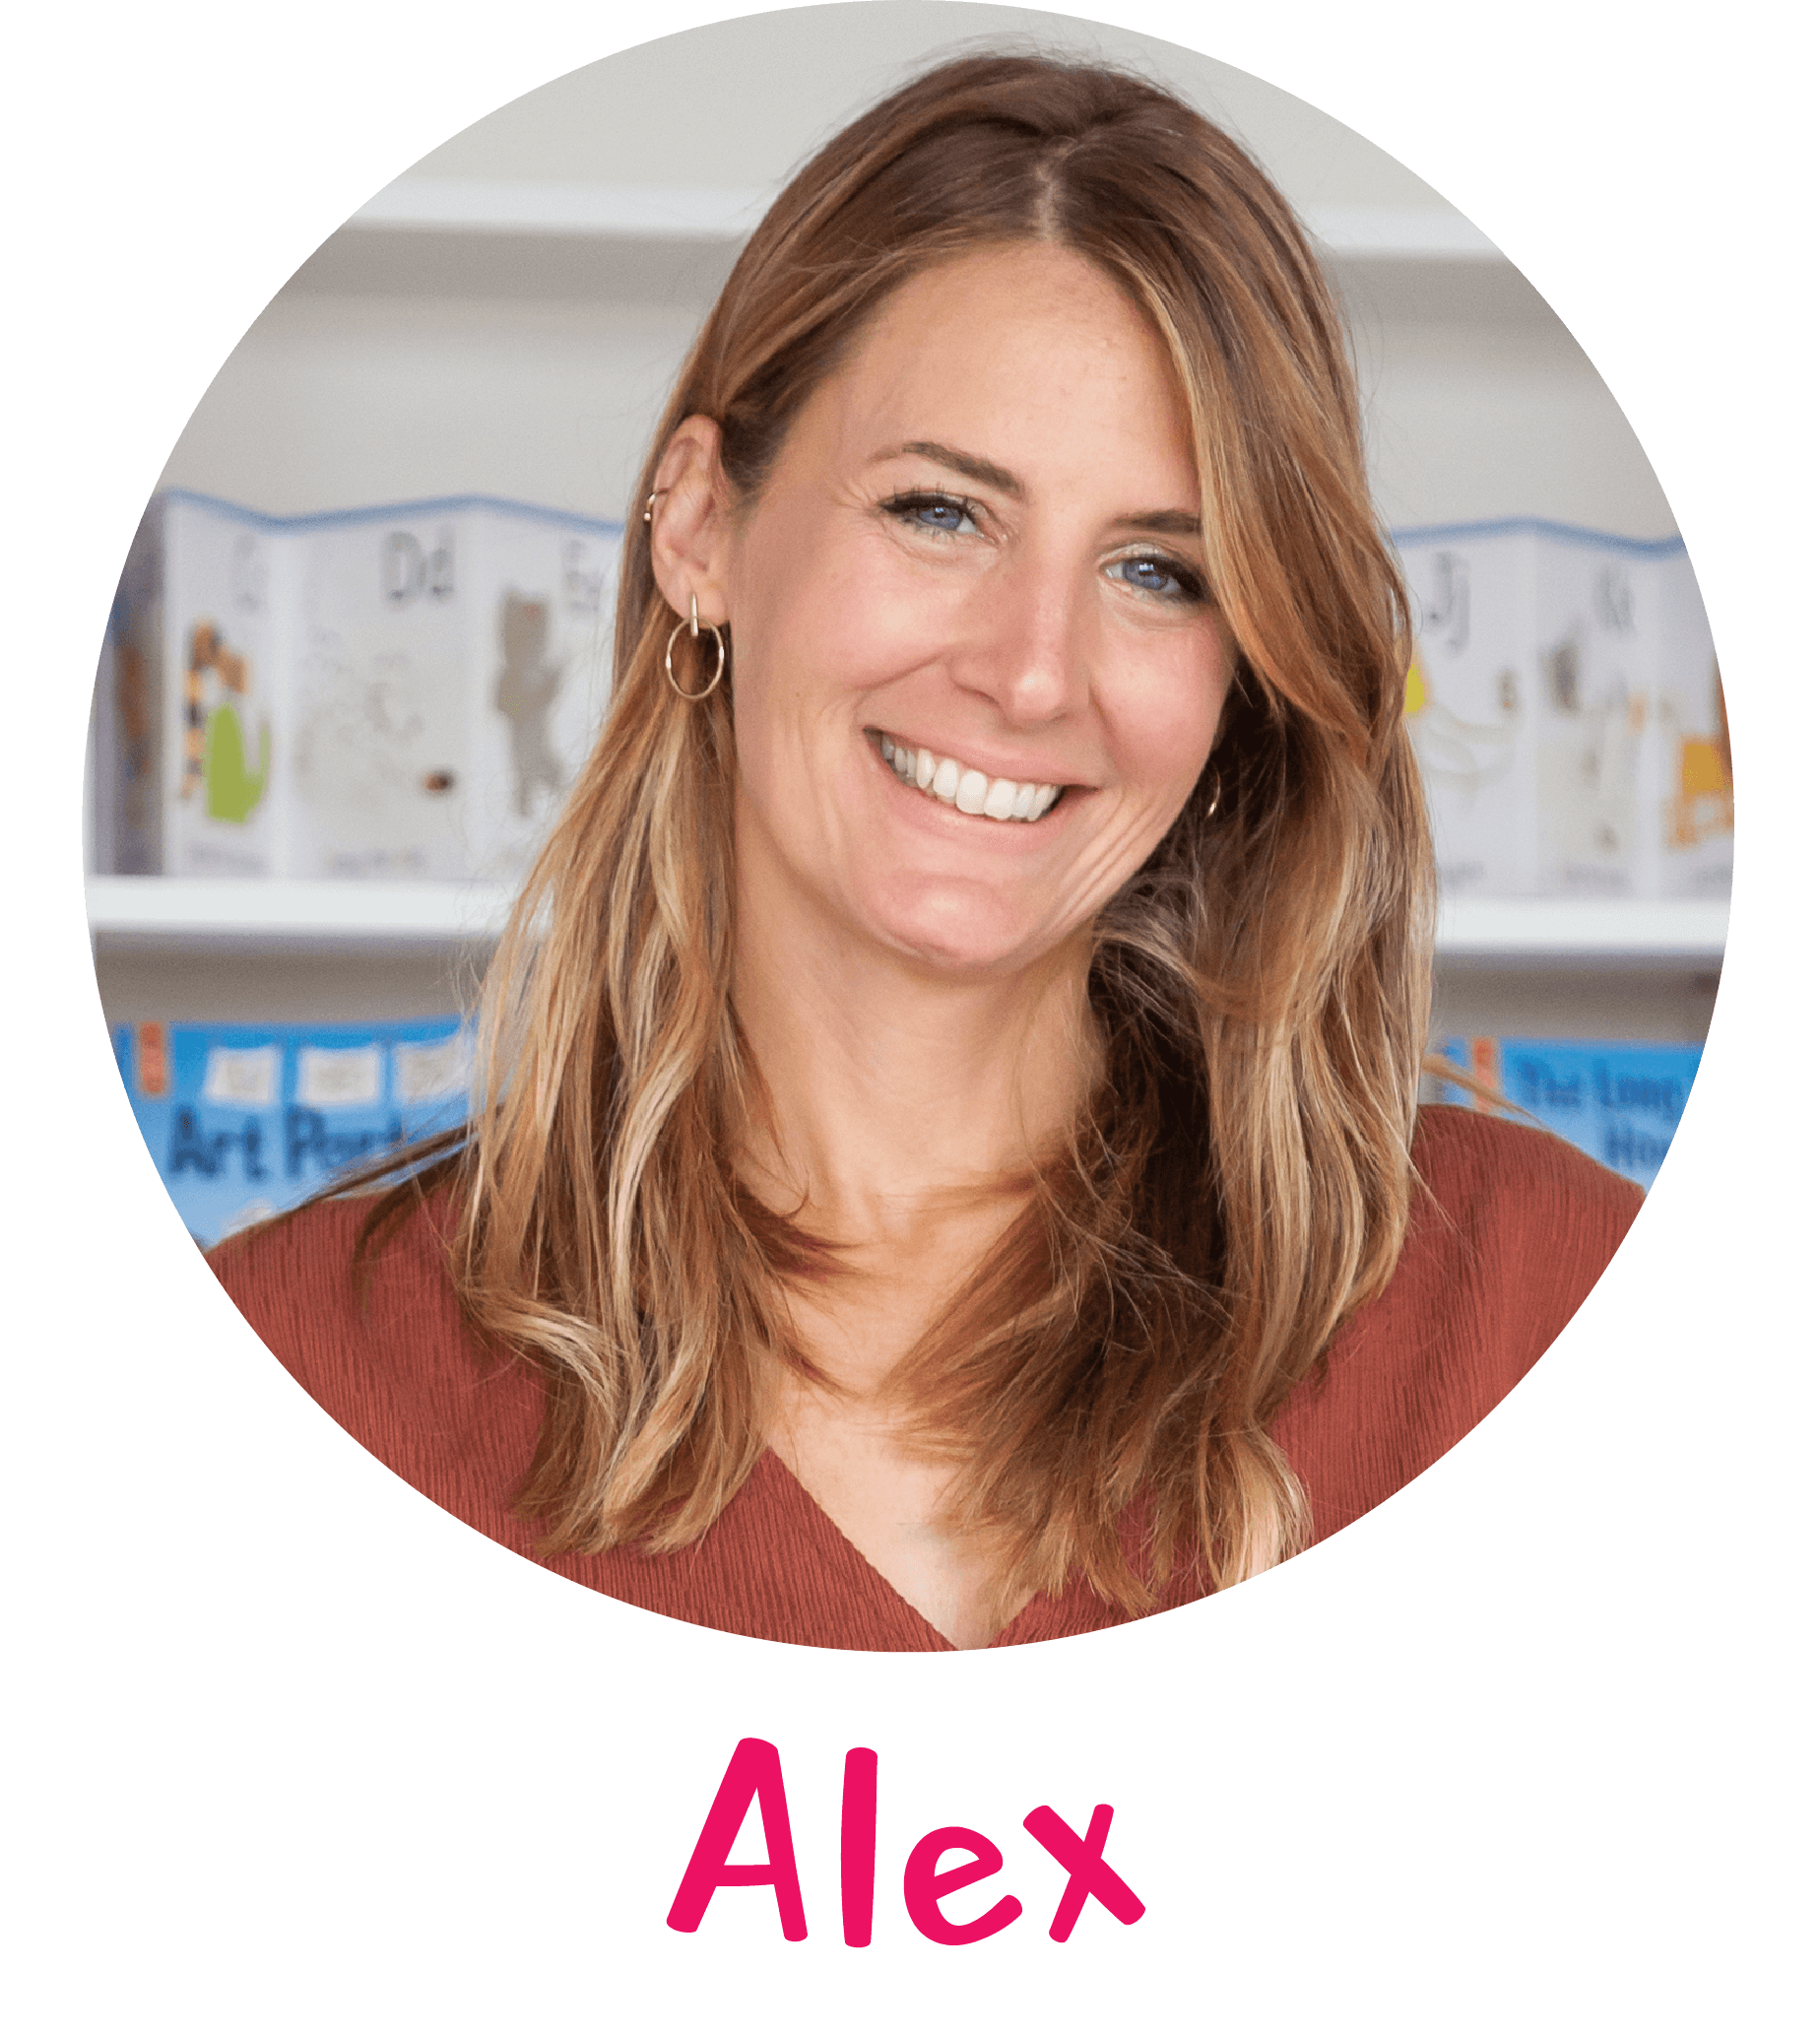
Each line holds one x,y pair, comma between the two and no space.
756,1771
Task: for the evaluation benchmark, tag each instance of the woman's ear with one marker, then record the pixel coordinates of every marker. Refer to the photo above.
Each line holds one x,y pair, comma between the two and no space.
691,523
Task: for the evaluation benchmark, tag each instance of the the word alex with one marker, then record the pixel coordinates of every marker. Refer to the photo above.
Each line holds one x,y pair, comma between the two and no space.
755,1770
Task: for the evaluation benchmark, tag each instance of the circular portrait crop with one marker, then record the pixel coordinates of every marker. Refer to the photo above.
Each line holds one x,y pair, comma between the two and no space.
948,730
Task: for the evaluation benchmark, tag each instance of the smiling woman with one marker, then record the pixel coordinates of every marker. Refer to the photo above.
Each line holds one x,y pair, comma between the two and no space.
946,1168
951,559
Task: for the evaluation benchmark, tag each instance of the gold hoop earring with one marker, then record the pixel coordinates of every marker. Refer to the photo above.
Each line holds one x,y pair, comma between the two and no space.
1213,802
694,625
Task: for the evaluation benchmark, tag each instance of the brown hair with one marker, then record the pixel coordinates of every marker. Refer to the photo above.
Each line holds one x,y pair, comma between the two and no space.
1241,1179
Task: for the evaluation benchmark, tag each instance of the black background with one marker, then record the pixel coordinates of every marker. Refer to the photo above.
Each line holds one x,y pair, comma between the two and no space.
306,1660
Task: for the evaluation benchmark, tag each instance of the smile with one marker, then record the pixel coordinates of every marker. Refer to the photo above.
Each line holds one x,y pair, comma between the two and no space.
966,790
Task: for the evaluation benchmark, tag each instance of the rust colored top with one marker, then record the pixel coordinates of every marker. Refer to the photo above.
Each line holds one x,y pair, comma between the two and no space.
1520,1227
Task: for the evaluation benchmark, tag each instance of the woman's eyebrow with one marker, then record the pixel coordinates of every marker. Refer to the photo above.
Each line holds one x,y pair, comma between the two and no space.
983,473
1165,522
980,471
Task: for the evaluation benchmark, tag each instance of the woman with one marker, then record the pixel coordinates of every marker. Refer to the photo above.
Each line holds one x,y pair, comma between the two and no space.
947,1167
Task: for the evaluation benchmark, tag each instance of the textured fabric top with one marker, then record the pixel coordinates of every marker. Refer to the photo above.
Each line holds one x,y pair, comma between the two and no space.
1520,1226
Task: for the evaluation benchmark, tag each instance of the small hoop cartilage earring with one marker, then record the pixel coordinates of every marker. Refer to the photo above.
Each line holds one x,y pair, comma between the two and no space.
1213,802
651,501
694,625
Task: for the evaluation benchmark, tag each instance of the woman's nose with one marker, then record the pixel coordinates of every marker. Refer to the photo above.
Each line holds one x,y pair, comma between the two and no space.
1026,647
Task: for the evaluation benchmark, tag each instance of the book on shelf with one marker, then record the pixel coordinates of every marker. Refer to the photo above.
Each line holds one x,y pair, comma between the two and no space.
1619,1100
410,692
1565,708
244,1121
401,691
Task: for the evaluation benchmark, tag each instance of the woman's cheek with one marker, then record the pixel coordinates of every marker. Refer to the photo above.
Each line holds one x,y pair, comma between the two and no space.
1168,731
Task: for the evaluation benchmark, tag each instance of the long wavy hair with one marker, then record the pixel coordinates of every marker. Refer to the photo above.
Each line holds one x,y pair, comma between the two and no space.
1240,1180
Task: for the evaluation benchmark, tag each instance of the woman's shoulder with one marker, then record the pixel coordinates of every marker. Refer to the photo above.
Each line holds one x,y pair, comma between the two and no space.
319,1258
365,1317
1510,1229
373,1336
1476,1166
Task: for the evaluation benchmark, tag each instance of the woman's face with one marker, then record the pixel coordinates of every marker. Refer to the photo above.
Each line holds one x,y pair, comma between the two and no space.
978,672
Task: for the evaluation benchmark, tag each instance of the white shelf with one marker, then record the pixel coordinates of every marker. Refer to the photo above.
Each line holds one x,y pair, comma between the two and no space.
691,214
1637,930
175,913
258,914
591,211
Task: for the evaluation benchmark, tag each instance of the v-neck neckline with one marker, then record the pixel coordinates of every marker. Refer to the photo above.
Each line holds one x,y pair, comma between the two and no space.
881,1583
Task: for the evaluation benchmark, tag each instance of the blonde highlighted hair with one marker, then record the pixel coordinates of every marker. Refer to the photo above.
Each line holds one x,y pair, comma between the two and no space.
1240,1180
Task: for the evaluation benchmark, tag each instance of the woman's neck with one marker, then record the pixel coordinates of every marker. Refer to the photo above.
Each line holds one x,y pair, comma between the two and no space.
901,1099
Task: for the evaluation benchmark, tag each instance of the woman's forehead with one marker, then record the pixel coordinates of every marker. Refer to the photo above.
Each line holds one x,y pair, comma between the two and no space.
1021,356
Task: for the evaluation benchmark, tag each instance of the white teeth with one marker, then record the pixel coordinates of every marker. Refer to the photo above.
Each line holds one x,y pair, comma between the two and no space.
968,791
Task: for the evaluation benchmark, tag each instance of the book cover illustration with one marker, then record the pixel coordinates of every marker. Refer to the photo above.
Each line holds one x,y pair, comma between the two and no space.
1619,1101
244,1121
1563,704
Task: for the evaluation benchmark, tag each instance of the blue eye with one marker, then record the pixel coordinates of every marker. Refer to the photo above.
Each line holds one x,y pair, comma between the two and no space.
945,513
1161,576
1149,573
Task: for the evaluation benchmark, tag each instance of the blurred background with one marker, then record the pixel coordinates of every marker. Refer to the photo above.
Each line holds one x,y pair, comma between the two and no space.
503,320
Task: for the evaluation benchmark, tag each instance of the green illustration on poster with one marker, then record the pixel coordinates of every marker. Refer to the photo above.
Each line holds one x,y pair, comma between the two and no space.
230,791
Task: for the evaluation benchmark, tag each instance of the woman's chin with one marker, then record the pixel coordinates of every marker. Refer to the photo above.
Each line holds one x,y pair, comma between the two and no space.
966,938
